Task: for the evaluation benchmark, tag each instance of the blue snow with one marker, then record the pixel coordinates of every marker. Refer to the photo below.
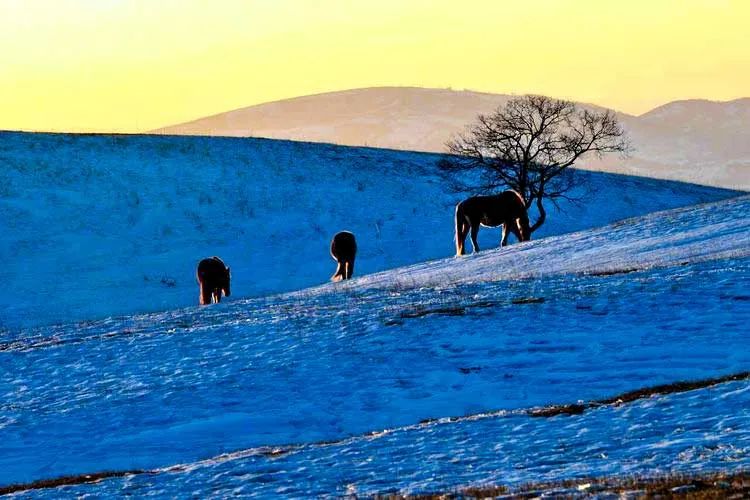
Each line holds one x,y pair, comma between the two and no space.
96,225
338,377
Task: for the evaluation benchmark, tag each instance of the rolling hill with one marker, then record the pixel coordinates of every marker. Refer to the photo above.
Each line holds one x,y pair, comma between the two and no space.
694,141
98,225
550,360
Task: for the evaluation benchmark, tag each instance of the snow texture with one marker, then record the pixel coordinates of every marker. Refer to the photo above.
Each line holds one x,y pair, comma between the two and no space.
95,226
645,301
294,391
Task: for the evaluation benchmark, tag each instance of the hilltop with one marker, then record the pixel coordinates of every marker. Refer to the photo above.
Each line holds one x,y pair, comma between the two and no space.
695,140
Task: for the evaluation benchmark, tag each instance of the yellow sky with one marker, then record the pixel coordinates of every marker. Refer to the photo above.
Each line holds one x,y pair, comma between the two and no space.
134,65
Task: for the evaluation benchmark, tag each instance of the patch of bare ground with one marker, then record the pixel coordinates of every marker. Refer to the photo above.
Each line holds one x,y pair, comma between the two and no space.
630,396
66,481
683,486
613,272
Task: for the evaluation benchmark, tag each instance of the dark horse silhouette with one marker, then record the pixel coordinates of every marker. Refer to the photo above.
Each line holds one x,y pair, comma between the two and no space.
343,251
506,208
213,278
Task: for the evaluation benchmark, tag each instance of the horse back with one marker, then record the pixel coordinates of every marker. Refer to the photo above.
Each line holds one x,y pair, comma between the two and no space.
343,246
211,269
494,210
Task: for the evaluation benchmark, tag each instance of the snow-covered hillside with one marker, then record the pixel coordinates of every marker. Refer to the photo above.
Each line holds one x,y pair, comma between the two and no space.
95,226
347,388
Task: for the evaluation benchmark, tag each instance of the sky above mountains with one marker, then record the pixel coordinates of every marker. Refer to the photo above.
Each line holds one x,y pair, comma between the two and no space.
132,66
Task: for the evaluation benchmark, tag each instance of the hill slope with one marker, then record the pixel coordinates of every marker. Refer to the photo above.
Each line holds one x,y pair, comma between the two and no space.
101,225
406,118
352,388
695,141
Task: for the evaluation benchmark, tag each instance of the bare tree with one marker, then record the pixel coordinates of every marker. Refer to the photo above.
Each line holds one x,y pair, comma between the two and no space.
528,145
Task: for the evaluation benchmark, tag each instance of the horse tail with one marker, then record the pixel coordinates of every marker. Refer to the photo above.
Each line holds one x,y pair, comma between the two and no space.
460,229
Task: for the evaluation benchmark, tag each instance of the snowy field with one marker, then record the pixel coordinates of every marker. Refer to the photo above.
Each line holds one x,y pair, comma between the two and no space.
322,390
95,226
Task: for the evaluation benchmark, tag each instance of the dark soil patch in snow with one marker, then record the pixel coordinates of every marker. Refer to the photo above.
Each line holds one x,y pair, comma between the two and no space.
445,311
688,486
613,272
741,298
421,313
629,397
66,481
470,369
528,300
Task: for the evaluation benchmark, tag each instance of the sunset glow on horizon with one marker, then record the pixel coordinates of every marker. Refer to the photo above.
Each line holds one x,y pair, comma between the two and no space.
132,66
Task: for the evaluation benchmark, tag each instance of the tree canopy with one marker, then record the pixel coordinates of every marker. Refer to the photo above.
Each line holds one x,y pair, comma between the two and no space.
529,145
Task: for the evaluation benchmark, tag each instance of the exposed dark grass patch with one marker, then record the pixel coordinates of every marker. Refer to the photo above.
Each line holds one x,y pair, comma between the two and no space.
469,492
681,386
553,411
392,322
630,396
470,369
441,311
276,452
739,298
67,481
527,300
683,486
422,312
612,272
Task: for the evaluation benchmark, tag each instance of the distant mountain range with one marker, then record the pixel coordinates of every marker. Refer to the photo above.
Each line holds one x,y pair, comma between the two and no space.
696,140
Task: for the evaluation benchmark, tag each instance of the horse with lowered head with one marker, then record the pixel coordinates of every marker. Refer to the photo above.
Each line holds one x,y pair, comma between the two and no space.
507,209
213,278
343,251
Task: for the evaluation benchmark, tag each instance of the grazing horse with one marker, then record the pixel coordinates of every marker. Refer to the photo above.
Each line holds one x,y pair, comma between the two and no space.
506,208
343,251
213,278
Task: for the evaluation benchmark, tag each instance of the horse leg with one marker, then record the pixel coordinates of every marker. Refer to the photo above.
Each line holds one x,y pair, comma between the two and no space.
504,239
339,274
474,232
516,230
462,229
217,295
349,269
205,297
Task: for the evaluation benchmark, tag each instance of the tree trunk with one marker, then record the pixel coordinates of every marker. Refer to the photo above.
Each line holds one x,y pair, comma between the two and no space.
542,214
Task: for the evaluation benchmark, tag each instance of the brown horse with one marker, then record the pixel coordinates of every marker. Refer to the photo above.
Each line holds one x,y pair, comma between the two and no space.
343,251
507,209
213,278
